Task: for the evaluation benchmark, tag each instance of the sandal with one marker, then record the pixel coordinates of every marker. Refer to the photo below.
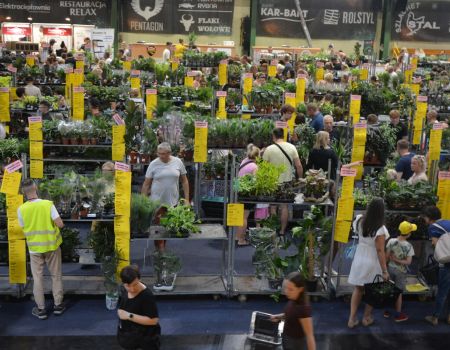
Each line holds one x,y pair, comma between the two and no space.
352,324
366,322
246,244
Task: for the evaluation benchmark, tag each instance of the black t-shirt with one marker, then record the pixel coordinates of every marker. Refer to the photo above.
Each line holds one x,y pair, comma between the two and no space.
401,130
292,312
142,304
318,159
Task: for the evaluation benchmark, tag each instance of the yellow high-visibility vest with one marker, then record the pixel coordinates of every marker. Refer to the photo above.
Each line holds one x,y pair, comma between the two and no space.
40,231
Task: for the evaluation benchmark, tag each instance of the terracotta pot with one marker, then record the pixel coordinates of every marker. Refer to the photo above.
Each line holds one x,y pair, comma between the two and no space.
84,141
74,141
93,141
65,141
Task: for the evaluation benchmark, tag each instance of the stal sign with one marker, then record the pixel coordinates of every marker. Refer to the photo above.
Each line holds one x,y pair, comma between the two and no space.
24,31
58,31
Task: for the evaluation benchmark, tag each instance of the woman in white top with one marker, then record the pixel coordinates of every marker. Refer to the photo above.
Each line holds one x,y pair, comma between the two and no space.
370,259
419,167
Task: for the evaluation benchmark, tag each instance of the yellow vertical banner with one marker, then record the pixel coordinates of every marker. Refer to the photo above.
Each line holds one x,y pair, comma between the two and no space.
300,89
415,88
13,202
79,64
319,71
78,77
126,65
151,100
443,193
414,62
12,178
290,99
122,199
17,261
35,128
78,103
118,138
282,125
355,108
36,169
5,116
135,80
408,75
359,145
419,117
364,72
30,60
235,214
201,142
189,79
175,63
345,206
272,70
221,109
434,147
69,82
223,67
247,87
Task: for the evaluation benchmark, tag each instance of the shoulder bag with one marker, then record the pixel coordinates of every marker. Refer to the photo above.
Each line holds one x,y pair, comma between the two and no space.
294,170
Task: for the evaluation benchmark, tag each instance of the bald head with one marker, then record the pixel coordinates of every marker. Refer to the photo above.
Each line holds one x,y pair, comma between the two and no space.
328,123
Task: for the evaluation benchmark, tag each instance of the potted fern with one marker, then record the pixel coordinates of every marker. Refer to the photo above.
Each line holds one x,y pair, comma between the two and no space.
180,221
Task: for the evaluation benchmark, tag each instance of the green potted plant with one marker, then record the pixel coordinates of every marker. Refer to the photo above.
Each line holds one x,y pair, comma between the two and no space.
315,186
101,239
70,240
109,269
380,143
180,221
143,210
166,265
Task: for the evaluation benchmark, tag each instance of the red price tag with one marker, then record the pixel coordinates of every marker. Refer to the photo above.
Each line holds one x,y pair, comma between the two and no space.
14,166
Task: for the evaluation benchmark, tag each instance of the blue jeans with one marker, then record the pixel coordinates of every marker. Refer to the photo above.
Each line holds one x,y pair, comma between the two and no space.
443,290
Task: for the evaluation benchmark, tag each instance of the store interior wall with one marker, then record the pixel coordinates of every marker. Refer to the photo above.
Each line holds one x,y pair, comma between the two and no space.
242,9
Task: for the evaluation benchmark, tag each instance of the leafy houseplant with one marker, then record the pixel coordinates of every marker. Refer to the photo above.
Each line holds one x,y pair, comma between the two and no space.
380,144
316,186
143,210
70,240
180,220
314,233
166,265
9,150
101,239
410,197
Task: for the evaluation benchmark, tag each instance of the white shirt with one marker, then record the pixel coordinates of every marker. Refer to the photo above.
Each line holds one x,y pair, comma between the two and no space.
31,90
166,55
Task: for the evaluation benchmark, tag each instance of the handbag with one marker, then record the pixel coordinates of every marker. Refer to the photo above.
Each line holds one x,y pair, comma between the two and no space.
294,170
380,293
442,249
430,271
350,251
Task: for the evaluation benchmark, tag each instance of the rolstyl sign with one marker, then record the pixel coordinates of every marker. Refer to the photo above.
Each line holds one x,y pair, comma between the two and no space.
208,17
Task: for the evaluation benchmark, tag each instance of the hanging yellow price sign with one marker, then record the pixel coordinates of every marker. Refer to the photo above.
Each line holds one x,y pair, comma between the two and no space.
11,178
35,128
415,88
175,64
126,65
78,77
355,108
36,150
122,226
151,100
341,231
30,60
443,193
434,151
359,144
319,71
348,184
223,66
4,105
118,134
13,202
247,86
300,89
118,151
78,103
408,75
272,70
201,142
235,214
17,261
69,82
189,79
36,169
345,209
364,72
221,110
14,229
290,99
123,190
79,64
419,117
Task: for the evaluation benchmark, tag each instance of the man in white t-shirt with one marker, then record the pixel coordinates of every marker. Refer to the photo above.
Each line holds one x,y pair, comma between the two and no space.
167,52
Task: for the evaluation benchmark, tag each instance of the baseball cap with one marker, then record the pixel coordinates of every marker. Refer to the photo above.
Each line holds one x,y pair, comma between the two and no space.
406,228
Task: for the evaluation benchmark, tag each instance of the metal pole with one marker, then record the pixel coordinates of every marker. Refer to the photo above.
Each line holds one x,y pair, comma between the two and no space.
303,22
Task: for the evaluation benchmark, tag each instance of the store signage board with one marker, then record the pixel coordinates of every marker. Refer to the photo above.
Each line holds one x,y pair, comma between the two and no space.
15,30
96,12
326,19
422,21
57,31
204,17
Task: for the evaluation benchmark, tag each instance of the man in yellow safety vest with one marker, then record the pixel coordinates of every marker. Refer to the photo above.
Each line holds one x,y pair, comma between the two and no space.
41,223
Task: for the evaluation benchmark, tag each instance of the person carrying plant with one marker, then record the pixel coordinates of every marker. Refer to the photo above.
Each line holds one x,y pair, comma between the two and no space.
41,223
436,229
399,253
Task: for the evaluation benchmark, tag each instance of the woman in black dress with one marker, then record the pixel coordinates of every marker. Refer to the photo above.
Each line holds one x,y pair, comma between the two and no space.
322,153
138,315
298,333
